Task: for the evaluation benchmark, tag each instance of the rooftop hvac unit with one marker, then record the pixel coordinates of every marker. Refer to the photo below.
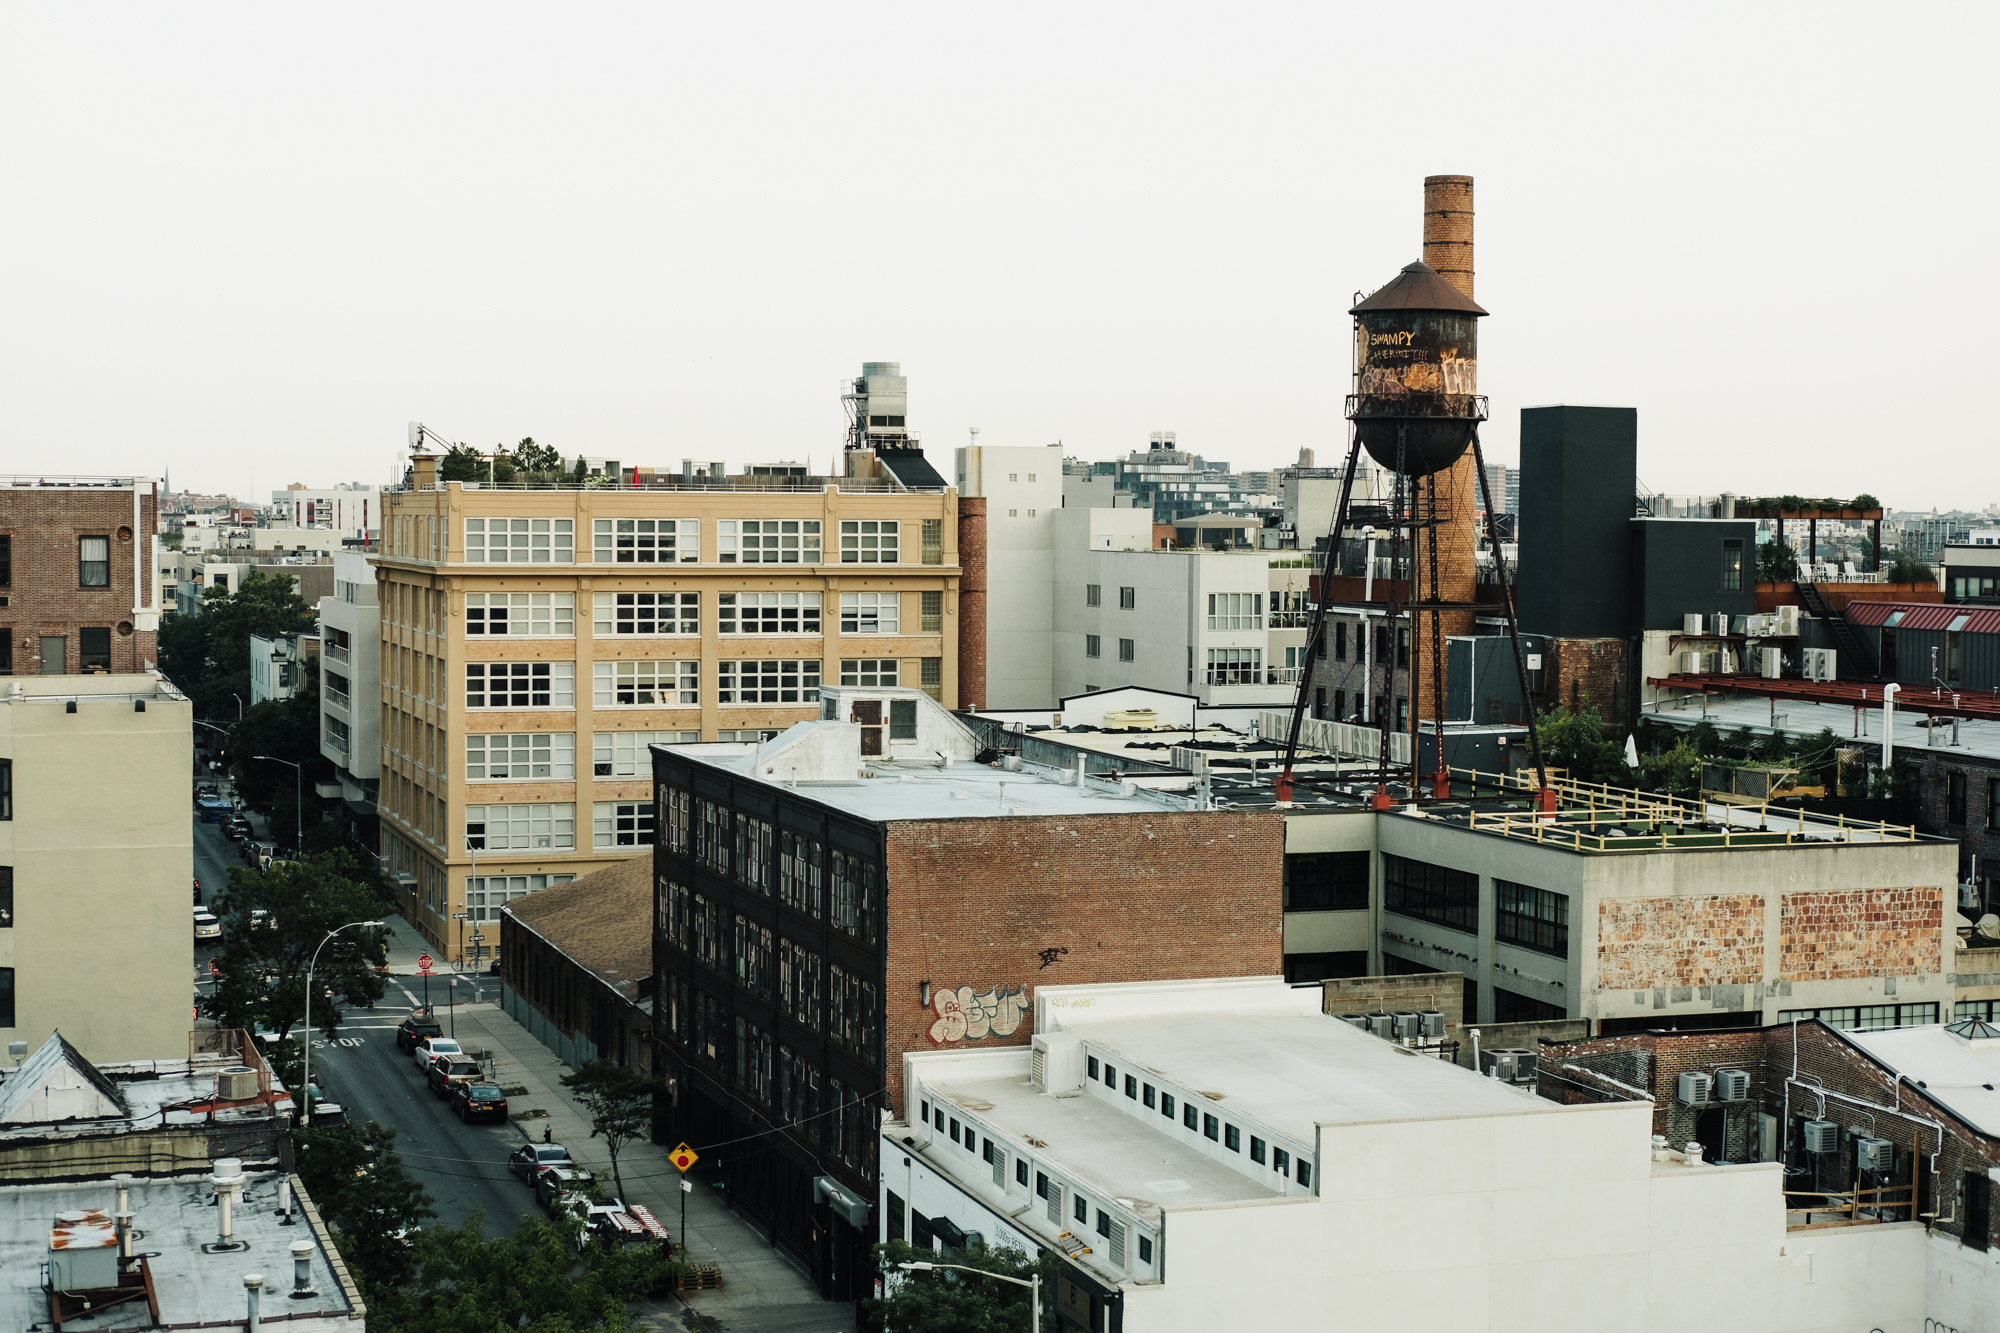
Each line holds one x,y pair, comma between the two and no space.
238,1083
1731,1085
1382,1025
1498,1064
1433,1024
1773,662
1695,1088
1691,623
1722,622
1356,1020
1524,1066
1409,1026
1874,1154
1788,620
1821,1136
1691,663
1820,664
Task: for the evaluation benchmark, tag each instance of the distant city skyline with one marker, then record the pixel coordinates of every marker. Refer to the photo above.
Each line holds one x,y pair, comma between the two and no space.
259,241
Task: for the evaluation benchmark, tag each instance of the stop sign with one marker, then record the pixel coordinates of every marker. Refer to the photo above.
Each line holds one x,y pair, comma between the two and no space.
423,962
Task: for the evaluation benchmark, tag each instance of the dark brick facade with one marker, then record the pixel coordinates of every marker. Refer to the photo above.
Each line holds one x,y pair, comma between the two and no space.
1957,799
44,593
1597,669
1653,1062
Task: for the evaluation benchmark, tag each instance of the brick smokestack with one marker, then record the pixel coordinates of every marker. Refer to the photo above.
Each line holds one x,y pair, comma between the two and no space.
971,601
1448,249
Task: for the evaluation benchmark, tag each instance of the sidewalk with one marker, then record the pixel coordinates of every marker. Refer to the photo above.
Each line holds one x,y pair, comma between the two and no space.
762,1290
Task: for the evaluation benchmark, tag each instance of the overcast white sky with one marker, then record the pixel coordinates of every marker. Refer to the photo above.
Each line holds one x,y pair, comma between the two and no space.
250,242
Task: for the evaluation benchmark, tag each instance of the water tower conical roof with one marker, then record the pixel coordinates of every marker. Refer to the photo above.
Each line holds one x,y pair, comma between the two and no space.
1419,287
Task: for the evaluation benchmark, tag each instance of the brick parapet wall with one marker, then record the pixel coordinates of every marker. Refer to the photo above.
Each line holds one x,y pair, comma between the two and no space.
987,909
1599,669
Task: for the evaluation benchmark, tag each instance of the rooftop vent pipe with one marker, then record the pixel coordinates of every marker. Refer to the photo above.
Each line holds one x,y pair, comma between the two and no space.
253,1288
302,1254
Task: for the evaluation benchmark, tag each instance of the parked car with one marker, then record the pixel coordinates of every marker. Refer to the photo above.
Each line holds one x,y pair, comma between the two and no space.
329,1115
415,1029
206,927
236,830
567,1181
477,1101
531,1159
444,1073
431,1048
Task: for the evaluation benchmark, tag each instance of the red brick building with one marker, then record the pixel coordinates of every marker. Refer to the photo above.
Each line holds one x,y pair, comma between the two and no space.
78,591
820,913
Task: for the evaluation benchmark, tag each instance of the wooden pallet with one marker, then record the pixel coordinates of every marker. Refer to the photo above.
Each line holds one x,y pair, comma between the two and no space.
705,1277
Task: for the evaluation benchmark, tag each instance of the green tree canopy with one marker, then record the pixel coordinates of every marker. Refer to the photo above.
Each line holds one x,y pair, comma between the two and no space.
946,1301
1575,740
532,457
286,729
619,1102
208,654
1907,568
461,462
362,1190
262,966
1777,562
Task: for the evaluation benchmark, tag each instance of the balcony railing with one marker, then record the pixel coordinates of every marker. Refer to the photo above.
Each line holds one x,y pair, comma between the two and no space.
338,698
334,652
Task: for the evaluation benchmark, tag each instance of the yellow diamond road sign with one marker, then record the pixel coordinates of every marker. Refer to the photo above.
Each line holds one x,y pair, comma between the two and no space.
683,1157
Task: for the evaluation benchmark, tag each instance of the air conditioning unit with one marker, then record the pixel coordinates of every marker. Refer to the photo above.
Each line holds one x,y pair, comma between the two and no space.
1355,1020
1821,1136
1721,622
1524,1066
1498,1064
1773,662
1874,1154
1731,1085
1695,1088
1691,623
1691,663
1409,1026
1788,620
238,1083
1433,1024
1820,664
1382,1025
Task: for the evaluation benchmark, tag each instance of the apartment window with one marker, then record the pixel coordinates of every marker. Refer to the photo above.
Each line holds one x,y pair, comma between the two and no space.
1256,1150
902,719
1509,1007
1080,1209
1145,1250
6,561
1326,881
645,541
645,613
1232,1139
1977,1190
767,612
538,615
1210,1127
1402,647
1021,1171
1013,513
1127,649
1189,1116
1093,646
6,997
768,541
1533,918
1235,666
1110,1076
1732,566
1167,1105
1867,1017
1132,1087
6,651
1339,641
1431,892
545,755
621,824
93,562
784,681
868,541
931,612
1954,799
520,827
1090,1065
485,895
870,612
1235,611
624,754
1093,594
1305,1176
868,672
520,684
1993,803
1128,598
930,676
93,649
646,684
520,541
1281,1161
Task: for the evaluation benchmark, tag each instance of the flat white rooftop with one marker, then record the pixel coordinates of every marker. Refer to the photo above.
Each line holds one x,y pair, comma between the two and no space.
195,1289
921,790
1963,1075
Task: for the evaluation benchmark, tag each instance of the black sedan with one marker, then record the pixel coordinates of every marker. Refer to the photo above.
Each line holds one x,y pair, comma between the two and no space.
478,1101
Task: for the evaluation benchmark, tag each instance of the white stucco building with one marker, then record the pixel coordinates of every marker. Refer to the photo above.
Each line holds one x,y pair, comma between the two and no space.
1220,1154
350,689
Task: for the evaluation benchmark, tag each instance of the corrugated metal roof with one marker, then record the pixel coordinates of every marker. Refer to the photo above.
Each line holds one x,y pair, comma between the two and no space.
1926,615
1419,287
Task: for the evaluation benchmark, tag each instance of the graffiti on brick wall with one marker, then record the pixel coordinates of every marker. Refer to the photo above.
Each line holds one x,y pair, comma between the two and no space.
1833,936
1703,940
968,1015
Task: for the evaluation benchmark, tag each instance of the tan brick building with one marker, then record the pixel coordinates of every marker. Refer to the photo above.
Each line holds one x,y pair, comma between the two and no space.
78,591
534,642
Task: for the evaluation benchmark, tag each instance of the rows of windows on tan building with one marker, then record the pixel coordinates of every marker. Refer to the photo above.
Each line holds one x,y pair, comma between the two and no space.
534,643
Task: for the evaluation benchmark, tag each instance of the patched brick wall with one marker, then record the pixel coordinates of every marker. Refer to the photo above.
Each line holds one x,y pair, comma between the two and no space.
1710,940
1863,933
1595,668
985,910
45,596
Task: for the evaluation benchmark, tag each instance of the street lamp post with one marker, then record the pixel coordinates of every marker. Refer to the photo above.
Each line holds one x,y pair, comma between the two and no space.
1033,1282
305,1077
298,803
456,967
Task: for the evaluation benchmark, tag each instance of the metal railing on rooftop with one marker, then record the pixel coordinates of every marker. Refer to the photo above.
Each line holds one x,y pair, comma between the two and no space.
760,485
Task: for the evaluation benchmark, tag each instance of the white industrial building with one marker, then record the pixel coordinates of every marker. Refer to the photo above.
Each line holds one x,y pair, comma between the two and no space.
350,690
1221,1154
1080,599
352,510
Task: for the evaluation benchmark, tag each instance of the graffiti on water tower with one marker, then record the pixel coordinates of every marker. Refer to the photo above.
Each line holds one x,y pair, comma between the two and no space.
968,1015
